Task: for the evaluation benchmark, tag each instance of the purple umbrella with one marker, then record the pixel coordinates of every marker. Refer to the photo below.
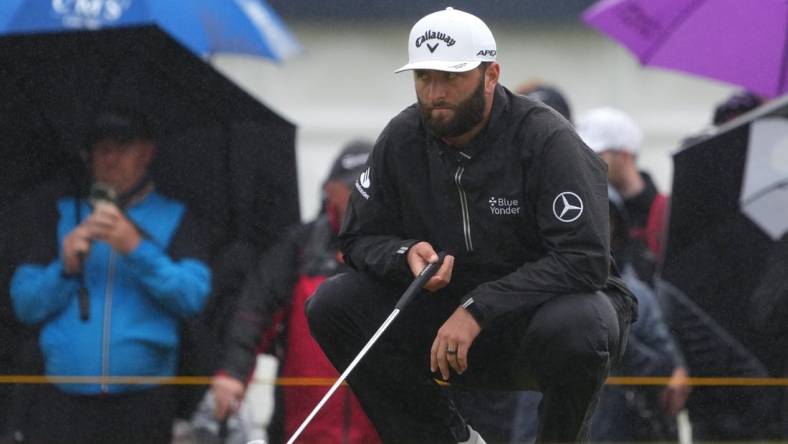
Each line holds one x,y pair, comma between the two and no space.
743,42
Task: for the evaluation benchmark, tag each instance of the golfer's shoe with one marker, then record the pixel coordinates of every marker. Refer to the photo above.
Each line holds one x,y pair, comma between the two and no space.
475,438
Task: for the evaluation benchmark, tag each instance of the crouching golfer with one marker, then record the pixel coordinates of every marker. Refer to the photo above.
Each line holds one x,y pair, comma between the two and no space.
525,301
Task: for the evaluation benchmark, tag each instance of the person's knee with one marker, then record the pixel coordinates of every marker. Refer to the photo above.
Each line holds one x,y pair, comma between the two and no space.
578,336
574,349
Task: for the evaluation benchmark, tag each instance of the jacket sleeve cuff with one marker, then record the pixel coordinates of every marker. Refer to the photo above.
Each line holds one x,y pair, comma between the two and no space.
473,308
402,251
399,269
144,256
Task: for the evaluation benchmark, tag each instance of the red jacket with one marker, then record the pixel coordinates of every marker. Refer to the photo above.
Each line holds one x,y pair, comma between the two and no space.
283,280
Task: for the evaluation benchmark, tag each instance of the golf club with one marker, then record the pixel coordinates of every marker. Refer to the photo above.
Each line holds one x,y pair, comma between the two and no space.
410,292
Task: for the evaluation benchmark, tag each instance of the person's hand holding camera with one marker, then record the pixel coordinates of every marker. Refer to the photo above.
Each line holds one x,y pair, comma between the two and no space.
109,224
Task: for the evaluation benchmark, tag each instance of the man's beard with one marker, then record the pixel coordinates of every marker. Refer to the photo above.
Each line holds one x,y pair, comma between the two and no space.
467,114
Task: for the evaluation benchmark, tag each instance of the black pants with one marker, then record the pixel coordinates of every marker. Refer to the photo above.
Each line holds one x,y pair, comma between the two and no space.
564,349
144,416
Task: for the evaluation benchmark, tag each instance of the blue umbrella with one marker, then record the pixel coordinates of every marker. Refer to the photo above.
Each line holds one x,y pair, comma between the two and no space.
203,26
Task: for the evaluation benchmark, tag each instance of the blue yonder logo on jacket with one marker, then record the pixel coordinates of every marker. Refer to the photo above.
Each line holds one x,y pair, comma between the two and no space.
502,205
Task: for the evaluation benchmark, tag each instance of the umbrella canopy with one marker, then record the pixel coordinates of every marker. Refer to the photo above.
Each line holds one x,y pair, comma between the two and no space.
204,26
764,196
739,42
222,152
716,258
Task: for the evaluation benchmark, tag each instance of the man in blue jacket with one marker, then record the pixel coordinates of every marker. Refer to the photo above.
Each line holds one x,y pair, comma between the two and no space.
110,295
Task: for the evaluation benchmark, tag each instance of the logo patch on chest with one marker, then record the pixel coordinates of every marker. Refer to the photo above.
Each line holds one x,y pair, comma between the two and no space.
504,206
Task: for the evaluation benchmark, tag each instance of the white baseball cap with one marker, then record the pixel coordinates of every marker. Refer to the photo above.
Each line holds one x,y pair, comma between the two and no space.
605,129
449,40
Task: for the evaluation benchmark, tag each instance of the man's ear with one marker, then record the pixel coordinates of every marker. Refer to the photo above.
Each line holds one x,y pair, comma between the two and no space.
491,76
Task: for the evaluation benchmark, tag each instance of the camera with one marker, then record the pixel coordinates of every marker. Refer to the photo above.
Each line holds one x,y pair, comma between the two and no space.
101,193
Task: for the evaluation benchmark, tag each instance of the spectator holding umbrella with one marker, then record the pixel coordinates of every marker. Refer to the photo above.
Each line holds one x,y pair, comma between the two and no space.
110,294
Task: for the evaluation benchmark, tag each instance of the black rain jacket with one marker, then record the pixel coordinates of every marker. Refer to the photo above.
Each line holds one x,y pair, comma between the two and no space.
523,208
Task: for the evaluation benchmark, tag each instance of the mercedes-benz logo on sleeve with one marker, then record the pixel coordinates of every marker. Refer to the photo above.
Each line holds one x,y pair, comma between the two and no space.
567,206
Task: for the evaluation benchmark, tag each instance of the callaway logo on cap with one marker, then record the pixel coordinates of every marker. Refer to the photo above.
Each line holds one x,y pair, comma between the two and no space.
449,40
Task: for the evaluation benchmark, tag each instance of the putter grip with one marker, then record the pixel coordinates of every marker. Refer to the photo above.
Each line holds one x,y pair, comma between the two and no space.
415,286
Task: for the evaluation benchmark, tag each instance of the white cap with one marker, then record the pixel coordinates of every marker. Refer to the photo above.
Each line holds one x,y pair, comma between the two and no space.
605,129
449,40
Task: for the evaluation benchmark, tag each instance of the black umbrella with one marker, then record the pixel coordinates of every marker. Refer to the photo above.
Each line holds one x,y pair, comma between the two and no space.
230,158
222,152
716,256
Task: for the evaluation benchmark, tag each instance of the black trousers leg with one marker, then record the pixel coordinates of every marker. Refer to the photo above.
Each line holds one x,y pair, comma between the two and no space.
571,343
564,349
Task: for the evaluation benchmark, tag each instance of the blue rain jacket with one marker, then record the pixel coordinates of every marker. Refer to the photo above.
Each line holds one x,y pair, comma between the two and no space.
136,300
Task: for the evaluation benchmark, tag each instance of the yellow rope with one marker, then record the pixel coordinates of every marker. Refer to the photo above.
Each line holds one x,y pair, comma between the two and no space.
720,381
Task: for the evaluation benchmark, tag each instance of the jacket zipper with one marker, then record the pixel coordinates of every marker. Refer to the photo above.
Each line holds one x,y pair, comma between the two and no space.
105,336
466,219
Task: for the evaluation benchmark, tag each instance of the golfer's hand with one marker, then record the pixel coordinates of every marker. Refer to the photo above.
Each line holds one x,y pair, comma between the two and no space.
75,244
451,345
674,396
227,395
422,254
107,223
